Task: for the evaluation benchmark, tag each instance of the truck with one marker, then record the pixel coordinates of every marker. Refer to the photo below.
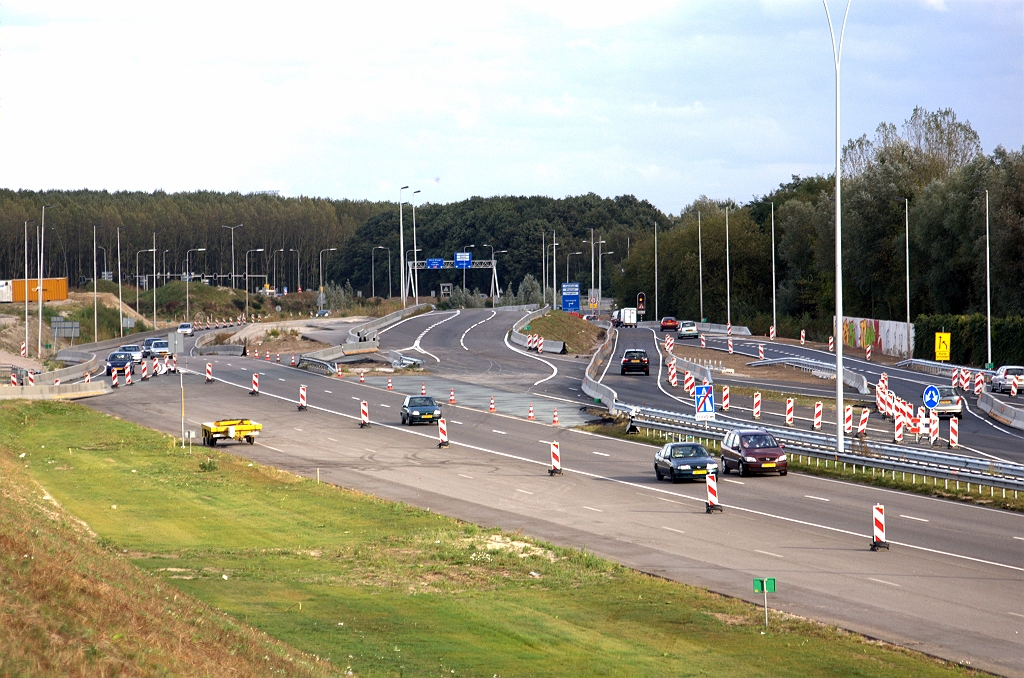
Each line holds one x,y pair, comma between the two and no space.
242,430
627,317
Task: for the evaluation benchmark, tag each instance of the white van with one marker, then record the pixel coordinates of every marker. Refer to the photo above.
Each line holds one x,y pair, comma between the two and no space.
627,317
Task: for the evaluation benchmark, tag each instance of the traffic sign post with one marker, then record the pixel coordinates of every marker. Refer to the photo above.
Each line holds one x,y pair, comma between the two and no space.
765,586
463,260
931,397
942,345
571,296
704,403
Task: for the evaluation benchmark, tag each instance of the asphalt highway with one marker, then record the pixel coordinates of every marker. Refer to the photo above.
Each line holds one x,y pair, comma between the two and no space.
950,586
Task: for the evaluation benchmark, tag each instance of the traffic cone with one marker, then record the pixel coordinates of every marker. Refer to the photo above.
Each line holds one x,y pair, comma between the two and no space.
423,388
530,415
362,377
278,357
451,397
491,408
554,420
293,360
390,388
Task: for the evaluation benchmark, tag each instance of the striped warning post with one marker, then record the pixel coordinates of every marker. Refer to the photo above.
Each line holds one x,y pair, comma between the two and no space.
364,414
703,342
771,332
757,404
278,357
31,378
491,407
256,355
442,432
725,397
88,377
712,505
688,383
848,419
890,404
730,345
540,345
423,388
915,428
954,433
831,344
209,372
293,360
898,435
128,377
175,363
979,383
14,379
451,397
965,378
867,352
56,382
760,351
24,350
255,384
789,411
1013,386
145,371
672,373
556,459
862,427
956,378
530,415
670,343
390,387
933,427
302,398
113,379
728,328
817,416
362,377
803,337
156,366
880,397
554,419
878,531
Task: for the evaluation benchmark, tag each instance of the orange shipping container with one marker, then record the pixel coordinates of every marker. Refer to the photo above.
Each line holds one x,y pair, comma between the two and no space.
54,289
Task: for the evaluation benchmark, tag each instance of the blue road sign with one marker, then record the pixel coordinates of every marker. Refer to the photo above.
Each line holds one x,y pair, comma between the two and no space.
570,296
704,403
931,397
435,263
463,260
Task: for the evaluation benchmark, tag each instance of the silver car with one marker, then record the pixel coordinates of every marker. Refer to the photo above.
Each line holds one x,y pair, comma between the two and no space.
134,349
950,403
687,330
1003,379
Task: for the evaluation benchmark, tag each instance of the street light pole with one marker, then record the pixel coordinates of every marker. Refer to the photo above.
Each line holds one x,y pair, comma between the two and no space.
42,251
837,52
329,249
554,269
298,268
188,278
467,247
274,258
988,285
906,211
700,267
154,280
120,301
570,254
26,284
655,273
247,279
600,279
415,271
233,279
401,246
137,285
728,283
775,320
95,298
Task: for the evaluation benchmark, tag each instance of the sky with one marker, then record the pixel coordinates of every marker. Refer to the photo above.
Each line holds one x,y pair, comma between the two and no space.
667,101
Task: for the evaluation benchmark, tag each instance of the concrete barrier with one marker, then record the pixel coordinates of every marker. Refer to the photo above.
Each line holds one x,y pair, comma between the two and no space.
222,349
332,353
1000,411
518,338
62,392
368,331
591,386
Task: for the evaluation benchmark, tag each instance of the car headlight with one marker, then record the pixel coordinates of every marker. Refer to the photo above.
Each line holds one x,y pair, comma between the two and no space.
416,413
750,459
684,467
782,457
437,412
712,467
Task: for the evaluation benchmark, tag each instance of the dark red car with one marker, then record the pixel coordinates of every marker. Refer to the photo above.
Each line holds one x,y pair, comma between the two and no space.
753,451
669,324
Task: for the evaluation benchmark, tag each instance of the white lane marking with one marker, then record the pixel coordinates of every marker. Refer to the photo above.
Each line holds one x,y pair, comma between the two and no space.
382,404
920,520
882,581
672,529
1017,615
457,422
615,348
811,496
638,486
734,482
391,327
416,344
554,370
494,430
355,398
332,440
280,379
299,429
1021,538
523,491
672,501
768,553
463,337
270,448
465,476
603,454
331,392
593,509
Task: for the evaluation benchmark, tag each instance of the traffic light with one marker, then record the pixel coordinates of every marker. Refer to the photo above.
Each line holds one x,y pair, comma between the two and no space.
641,303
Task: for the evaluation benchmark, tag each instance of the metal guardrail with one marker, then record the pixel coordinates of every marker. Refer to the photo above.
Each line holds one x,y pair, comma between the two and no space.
877,455
591,384
323,367
937,368
368,330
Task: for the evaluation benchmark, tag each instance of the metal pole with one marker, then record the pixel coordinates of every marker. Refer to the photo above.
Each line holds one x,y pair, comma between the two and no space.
95,300
373,279
655,270
700,267
389,272
837,51
415,258
544,266
906,207
592,261
26,288
42,250
154,280
988,285
728,283
775,318
401,247
120,302
554,270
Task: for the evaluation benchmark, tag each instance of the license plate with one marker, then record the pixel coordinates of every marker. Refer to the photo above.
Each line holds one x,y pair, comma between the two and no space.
634,361
944,402
428,416
770,464
700,472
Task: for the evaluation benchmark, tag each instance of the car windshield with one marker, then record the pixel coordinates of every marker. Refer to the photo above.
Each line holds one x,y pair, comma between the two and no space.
184,326
119,356
635,354
421,402
689,450
688,323
130,348
758,441
946,391
159,344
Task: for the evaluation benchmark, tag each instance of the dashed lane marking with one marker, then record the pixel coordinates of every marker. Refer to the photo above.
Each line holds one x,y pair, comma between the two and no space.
672,529
920,520
523,491
768,553
590,508
811,496
882,581
603,454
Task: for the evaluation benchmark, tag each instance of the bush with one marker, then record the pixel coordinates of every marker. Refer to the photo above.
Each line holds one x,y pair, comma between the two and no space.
208,465
969,338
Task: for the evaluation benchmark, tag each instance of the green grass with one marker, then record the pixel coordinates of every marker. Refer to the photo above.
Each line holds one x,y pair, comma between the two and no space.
393,590
579,335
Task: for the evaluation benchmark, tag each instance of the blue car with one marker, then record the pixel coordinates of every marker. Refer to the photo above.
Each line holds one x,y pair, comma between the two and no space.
119,361
684,461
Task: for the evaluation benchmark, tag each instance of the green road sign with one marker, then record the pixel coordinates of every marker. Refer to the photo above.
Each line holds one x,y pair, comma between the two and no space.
764,585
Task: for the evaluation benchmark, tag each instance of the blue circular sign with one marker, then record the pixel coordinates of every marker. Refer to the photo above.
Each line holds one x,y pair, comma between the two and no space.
931,397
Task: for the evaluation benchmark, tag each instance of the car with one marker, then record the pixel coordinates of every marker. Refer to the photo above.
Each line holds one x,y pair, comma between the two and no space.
1002,380
950,402
635,360
134,349
420,410
684,461
147,346
159,348
753,451
323,313
187,329
687,330
119,361
669,324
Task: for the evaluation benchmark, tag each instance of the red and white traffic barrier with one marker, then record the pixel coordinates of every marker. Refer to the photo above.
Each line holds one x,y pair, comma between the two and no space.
442,432
255,384
878,528
956,377
88,377
672,373
491,407
915,428
540,345
529,342
145,371
898,436
362,377
390,387
862,427
670,343
56,382
712,504
848,419
817,416
302,398
128,377
278,357
156,366
725,398
703,342
730,345
728,328
760,351
451,397
530,416
554,419
209,372
867,352
689,383
880,397
14,379
556,460
831,344
954,433
364,414
24,350
293,360
113,379
1013,386
423,388
803,337
933,427
31,378
757,404
771,332
979,383
175,363
890,404
965,378
789,411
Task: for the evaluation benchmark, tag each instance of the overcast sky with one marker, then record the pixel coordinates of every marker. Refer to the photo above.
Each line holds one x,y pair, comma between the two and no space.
666,101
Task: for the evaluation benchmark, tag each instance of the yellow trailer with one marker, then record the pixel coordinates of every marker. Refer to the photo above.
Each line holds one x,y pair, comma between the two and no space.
242,430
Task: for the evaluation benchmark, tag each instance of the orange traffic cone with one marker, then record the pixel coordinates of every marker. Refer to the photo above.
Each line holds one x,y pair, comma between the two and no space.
491,408
390,388
554,420
362,378
451,397
530,415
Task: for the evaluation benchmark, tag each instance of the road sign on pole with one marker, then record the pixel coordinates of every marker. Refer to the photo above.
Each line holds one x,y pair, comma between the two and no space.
942,345
641,303
704,403
931,397
571,296
765,586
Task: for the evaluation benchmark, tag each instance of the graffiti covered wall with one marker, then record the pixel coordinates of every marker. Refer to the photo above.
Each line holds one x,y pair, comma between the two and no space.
884,336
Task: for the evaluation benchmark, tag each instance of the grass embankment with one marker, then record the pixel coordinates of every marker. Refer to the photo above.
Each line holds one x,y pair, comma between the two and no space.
579,335
932,487
384,588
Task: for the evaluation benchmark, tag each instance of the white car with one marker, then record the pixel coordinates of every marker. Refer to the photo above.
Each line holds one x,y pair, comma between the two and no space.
1002,380
132,349
187,329
950,403
687,330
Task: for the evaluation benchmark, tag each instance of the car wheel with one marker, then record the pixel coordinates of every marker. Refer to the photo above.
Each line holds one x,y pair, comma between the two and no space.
743,470
623,372
672,476
782,473
657,472
723,467
647,373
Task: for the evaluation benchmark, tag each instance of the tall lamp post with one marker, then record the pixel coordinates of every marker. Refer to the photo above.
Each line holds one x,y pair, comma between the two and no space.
120,301
700,266
274,257
188,277
494,263
570,254
728,282
415,271
298,268
906,212
95,294
321,297
837,52
137,284
467,247
233,279
775,321
42,251
259,249
32,221
600,272
401,245
988,286
373,282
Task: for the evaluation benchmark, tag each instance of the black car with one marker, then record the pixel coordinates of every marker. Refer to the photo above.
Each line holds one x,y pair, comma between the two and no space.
682,461
119,361
753,451
635,360
420,410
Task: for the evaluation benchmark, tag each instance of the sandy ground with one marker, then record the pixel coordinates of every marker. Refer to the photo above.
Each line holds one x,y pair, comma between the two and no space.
8,358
